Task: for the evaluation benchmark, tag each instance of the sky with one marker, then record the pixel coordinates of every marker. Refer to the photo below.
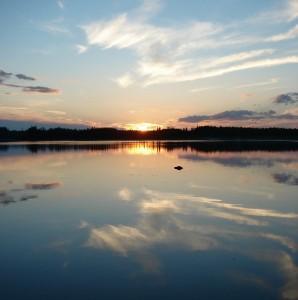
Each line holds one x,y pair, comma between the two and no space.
141,64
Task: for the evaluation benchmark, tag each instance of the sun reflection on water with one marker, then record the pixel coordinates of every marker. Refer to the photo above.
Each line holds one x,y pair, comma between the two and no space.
142,149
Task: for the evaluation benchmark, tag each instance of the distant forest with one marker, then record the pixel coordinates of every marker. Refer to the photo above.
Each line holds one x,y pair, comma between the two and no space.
106,134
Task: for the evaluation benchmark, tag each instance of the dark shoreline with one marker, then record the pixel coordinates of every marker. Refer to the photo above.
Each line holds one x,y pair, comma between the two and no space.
168,145
112,134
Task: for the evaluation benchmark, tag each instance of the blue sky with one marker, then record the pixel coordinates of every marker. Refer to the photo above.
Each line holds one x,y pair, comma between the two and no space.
138,64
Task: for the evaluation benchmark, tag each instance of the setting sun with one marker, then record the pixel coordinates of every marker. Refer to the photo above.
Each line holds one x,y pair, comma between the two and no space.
142,126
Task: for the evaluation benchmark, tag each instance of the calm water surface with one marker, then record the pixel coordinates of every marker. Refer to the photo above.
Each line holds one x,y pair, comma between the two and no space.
116,221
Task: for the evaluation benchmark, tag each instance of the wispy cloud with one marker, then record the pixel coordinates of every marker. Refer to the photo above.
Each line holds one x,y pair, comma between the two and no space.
257,84
203,89
125,81
236,57
40,90
5,107
286,11
189,73
4,76
148,8
173,54
33,89
21,121
24,77
81,49
57,112
55,26
291,34
238,115
246,118
23,117
291,10
60,3
147,39
7,75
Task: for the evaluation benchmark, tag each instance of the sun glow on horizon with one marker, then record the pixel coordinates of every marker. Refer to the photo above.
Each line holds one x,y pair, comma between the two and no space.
142,126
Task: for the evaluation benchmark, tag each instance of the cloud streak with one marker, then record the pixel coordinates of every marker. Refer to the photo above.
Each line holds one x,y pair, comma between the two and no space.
40,90
287,11
291,34
55,27
289,98
125,81
81,48
258,84
60,4
4,76
24,77
292,10
173,54
239,115
183,72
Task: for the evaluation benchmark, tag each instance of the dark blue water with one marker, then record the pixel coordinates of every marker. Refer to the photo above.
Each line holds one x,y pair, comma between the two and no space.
118,221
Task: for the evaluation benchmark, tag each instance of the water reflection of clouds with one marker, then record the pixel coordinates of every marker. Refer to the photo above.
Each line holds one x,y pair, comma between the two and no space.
61,246
188,204
244,159
287,161
125,194
285,241
42,186
28,197
286,265
152,230
183,221
12,195
7,197
163,220
263,193
289,268
286,178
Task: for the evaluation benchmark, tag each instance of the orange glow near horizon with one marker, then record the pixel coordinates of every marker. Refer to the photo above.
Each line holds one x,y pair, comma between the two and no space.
142,126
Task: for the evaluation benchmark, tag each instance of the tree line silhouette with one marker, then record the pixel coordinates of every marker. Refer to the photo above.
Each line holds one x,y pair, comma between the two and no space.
102,134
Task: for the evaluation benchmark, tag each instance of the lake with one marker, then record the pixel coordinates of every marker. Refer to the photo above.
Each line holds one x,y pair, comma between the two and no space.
116,220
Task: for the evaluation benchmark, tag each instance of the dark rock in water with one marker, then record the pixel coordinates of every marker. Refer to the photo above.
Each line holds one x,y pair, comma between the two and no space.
179,168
